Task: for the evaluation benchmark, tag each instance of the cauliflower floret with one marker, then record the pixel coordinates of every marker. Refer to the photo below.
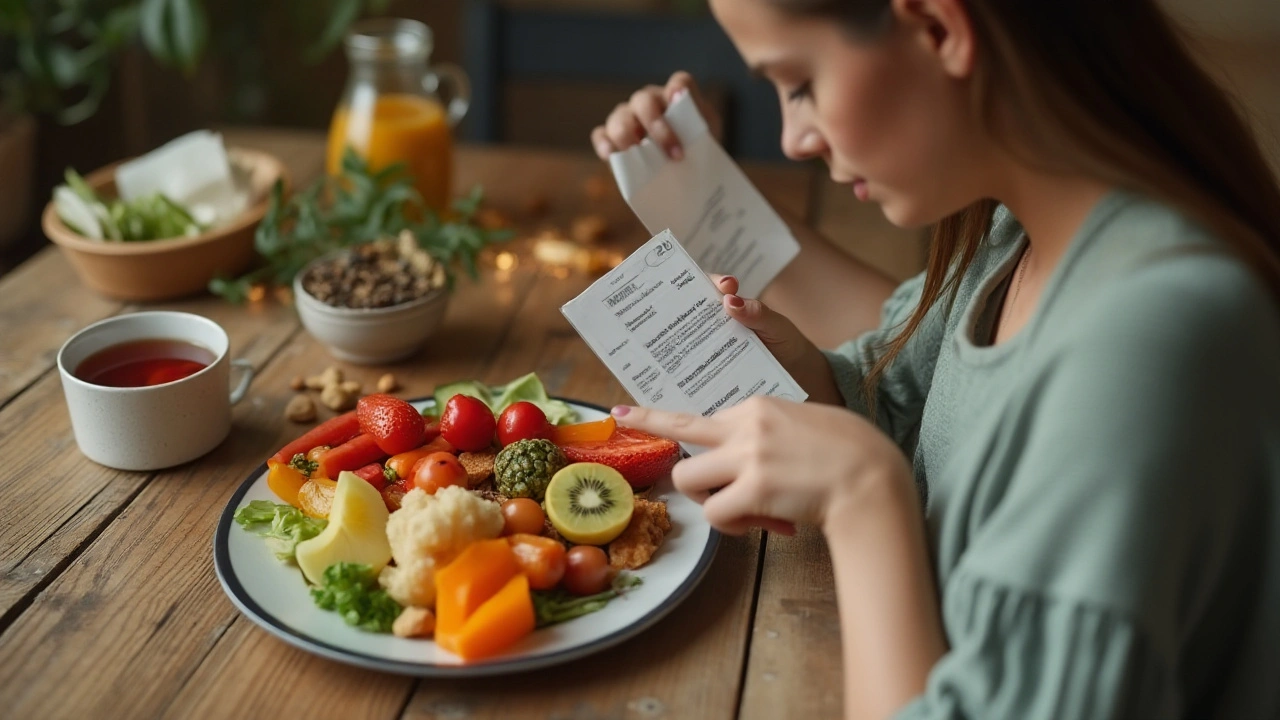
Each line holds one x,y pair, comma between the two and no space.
429,531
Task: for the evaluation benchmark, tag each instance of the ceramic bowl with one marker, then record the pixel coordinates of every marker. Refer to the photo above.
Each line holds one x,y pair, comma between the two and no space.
164,269
370,336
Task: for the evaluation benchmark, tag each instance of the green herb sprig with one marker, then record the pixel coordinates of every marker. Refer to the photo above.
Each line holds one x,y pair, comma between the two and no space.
556,606
352,591
354,207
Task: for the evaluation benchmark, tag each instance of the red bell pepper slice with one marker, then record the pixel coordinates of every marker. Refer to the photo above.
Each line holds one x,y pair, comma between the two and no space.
372,474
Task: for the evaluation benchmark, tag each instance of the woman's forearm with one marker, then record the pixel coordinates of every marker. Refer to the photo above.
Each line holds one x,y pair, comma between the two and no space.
831,296
890,622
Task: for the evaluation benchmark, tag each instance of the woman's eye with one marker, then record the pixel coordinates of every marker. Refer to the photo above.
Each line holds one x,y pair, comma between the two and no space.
800,93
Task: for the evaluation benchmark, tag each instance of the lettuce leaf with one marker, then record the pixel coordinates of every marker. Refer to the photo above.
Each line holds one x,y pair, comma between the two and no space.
283,526
499,397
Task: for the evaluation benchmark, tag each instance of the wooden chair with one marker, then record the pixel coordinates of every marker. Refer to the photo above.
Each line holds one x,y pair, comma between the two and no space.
506,43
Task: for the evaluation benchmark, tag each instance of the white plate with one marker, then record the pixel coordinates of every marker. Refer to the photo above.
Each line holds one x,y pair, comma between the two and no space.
276,597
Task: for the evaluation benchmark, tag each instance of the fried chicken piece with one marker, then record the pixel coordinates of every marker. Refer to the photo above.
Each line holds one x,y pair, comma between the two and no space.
479,466
637,544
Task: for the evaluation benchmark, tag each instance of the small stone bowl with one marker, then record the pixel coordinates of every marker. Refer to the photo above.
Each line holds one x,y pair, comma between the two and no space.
373,336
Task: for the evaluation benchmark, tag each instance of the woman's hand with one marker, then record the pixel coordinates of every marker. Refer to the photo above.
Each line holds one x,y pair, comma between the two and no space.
799,355
642,116
774,460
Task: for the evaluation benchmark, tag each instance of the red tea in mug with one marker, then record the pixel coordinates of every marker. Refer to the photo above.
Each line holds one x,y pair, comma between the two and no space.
141,363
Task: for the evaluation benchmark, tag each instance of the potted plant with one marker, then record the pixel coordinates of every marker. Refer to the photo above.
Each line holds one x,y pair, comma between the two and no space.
57,59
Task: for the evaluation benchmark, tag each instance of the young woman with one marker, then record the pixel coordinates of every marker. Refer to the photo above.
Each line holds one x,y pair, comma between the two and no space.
1050,477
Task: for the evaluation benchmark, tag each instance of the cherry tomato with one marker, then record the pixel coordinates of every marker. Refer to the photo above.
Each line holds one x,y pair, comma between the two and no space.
541,559
393,494
522,515
522,421
438,470
586,570
467,423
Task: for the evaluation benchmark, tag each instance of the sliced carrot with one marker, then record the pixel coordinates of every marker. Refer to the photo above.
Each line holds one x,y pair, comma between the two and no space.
350,455
472,578
331,432
497,624
595,431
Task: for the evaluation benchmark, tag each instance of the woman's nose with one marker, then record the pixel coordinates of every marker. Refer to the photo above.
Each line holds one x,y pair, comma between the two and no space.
803,144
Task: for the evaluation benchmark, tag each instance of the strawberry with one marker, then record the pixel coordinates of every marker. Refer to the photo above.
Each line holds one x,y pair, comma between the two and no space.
643,459
394,424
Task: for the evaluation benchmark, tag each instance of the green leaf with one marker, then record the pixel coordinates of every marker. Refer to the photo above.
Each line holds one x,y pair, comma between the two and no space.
189,31
343,13
152,21
283,526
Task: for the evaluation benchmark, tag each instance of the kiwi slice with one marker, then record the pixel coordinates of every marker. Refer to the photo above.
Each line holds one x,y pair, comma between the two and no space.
589,503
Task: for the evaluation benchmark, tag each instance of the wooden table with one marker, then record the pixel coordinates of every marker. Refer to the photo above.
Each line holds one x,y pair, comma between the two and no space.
109,605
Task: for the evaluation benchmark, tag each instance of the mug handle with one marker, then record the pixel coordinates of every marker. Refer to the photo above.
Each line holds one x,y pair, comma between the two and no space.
249,371
455,80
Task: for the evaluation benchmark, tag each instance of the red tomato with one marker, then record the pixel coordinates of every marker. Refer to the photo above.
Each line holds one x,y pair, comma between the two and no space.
586,570
522,515
438,470
467,423
522,421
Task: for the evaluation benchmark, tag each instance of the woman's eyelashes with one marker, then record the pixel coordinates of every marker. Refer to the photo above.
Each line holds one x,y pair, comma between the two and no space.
801,92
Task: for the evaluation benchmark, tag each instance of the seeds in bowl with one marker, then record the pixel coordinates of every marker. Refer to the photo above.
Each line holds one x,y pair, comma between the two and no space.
379,274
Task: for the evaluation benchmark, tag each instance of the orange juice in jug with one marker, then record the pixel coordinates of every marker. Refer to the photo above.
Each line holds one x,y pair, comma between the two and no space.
398,109
398,127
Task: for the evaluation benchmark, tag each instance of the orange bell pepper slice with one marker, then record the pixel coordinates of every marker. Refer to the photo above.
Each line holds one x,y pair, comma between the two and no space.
496,625
285,481
462,586
595,431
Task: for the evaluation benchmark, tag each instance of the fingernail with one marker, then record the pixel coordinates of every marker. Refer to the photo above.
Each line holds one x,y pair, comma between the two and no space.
603,149
727,278
619,410
679,94
677,153
734,301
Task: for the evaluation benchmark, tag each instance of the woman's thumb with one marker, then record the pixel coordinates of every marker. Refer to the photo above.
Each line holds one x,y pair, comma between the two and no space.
772,328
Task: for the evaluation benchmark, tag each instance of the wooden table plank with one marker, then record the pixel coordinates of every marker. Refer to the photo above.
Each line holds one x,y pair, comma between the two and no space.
795,666
44,304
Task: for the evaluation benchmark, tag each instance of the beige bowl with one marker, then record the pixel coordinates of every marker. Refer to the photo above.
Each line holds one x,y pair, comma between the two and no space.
165,269
374,336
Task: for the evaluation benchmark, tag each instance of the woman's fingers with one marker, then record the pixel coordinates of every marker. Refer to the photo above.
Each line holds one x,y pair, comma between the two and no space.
601,143
706,472
623,128
682,427
649,107
726,284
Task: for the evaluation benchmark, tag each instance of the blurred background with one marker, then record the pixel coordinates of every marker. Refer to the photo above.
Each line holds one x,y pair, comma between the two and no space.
86,82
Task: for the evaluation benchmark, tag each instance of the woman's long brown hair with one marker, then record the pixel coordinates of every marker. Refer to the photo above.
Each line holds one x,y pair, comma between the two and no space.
1112,86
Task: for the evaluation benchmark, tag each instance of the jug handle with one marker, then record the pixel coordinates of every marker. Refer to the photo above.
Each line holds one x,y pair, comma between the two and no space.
459,89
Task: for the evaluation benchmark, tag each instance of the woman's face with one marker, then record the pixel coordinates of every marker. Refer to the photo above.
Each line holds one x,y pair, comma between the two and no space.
888,114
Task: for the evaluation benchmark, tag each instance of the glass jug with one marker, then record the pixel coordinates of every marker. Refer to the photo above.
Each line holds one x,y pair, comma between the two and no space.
398,108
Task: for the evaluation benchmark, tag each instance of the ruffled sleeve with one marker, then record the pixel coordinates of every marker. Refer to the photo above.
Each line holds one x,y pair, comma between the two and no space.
1020,654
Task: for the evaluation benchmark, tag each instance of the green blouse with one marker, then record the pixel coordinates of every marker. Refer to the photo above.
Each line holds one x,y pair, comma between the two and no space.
1102,490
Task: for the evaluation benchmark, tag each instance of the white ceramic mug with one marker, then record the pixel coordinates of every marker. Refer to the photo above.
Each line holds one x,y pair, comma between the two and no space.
158,426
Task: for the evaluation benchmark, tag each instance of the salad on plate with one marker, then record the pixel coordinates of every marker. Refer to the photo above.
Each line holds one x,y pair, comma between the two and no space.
471,523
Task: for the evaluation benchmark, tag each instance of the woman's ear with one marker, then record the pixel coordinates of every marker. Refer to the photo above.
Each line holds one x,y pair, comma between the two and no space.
944,29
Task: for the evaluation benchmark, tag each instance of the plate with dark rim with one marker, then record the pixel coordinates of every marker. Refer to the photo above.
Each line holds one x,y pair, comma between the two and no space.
276,597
